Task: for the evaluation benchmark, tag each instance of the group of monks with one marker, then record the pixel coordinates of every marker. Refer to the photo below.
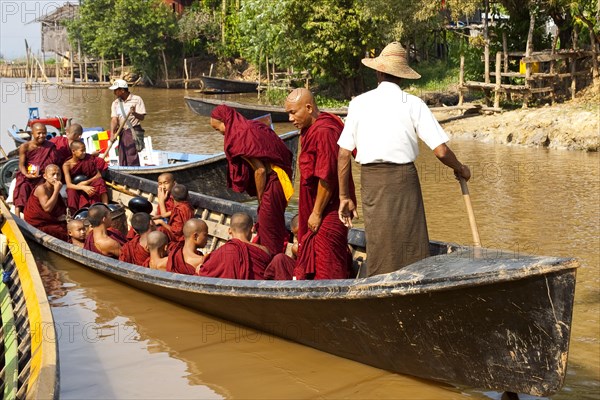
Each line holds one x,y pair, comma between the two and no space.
259,163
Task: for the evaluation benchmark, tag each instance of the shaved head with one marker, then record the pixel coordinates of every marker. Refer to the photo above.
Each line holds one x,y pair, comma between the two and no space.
179,193
301,108
74,131
97,213
75,224
194,225
301,95
140,222
156,240
50,168
167,176
38,125
76,145
241,223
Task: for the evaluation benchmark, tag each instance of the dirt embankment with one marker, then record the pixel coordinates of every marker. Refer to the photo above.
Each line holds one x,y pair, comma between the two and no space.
573,125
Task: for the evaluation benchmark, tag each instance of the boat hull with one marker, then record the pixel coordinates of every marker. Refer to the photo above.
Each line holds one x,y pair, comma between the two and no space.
204,106
482,318
221,85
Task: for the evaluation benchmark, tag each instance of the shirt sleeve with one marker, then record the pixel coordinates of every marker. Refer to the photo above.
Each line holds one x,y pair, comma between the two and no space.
140,107
346,140
113,110
427,127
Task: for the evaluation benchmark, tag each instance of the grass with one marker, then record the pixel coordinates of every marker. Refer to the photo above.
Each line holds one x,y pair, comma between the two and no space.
435,77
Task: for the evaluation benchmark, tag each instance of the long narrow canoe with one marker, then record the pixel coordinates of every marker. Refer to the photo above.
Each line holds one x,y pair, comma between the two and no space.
203,106
482,318
212,84
29,364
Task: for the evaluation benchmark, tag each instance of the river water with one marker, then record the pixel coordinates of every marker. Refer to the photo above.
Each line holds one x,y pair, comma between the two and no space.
118,342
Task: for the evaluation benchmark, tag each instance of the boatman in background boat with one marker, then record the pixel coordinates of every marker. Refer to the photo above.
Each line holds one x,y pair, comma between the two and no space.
131,139
260,164
34,156
384,125
323,240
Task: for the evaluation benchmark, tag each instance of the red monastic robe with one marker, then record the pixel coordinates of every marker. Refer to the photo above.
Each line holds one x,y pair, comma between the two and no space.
181,213
133,252
176,262
281,268
35,216
91,246
327,256
253,139
236,260
77,199
63,151
169,204
41,157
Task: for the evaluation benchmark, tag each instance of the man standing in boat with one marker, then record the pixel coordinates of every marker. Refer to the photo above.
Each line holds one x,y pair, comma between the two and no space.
323,240
384,125
131,139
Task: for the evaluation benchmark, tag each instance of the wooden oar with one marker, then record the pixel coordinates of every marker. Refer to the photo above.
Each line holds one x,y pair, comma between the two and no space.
467,198
116,135
3,153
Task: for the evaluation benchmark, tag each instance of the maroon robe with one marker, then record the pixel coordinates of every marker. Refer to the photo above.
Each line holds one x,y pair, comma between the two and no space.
91,246
236,260
318,160
41,157
181,213
176,262
169,204
133,252
46,222
253,139
77,199
63,151
281,268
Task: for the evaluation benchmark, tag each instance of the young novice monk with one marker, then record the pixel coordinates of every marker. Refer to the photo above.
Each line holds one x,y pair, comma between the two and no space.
181,213
62,143
135,250
45,209
34,156
166,203
101,239
91,190
185,258
77,231
157,246
238,258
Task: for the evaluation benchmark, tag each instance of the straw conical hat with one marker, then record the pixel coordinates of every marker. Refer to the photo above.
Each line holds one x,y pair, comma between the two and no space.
393,61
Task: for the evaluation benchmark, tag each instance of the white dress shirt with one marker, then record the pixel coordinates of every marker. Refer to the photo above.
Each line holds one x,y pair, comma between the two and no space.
384,123
131,101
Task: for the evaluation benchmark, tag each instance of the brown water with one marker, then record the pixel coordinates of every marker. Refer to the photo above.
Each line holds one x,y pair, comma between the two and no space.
117,342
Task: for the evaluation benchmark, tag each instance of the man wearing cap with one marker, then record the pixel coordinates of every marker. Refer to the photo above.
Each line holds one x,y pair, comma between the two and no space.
383,126
131,139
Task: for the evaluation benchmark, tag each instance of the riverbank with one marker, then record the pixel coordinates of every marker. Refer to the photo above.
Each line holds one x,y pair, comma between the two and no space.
573,125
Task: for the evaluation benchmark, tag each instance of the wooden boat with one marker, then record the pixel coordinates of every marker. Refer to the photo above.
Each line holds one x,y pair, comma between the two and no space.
482,318
28,356
204,173
203,106
212,84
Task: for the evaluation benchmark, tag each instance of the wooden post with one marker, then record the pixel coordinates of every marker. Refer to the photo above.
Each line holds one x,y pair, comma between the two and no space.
79,61
486,49
498,80
267,65
461,80
595,73
122,74
57,71
211,69
187,77
71,64
85,74
573,61
166,69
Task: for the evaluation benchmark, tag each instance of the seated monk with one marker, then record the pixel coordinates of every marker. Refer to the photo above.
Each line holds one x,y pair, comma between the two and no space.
77,232
238,258
45,209
181,213
157,246
92,189
102,239
34,156
135,250
166,203
185,258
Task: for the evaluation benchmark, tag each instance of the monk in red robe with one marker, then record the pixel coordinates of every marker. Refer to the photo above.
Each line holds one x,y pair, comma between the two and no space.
157,246
166,203
327,256
259,164
102,239
62,143
135,251
34,156
238,258
77,232
181,213
89,191
186,258
45,209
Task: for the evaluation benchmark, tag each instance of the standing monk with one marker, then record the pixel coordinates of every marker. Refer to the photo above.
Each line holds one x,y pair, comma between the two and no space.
258,163
62,143
86,192
34,156
323,239
45,209
125,103
384,125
